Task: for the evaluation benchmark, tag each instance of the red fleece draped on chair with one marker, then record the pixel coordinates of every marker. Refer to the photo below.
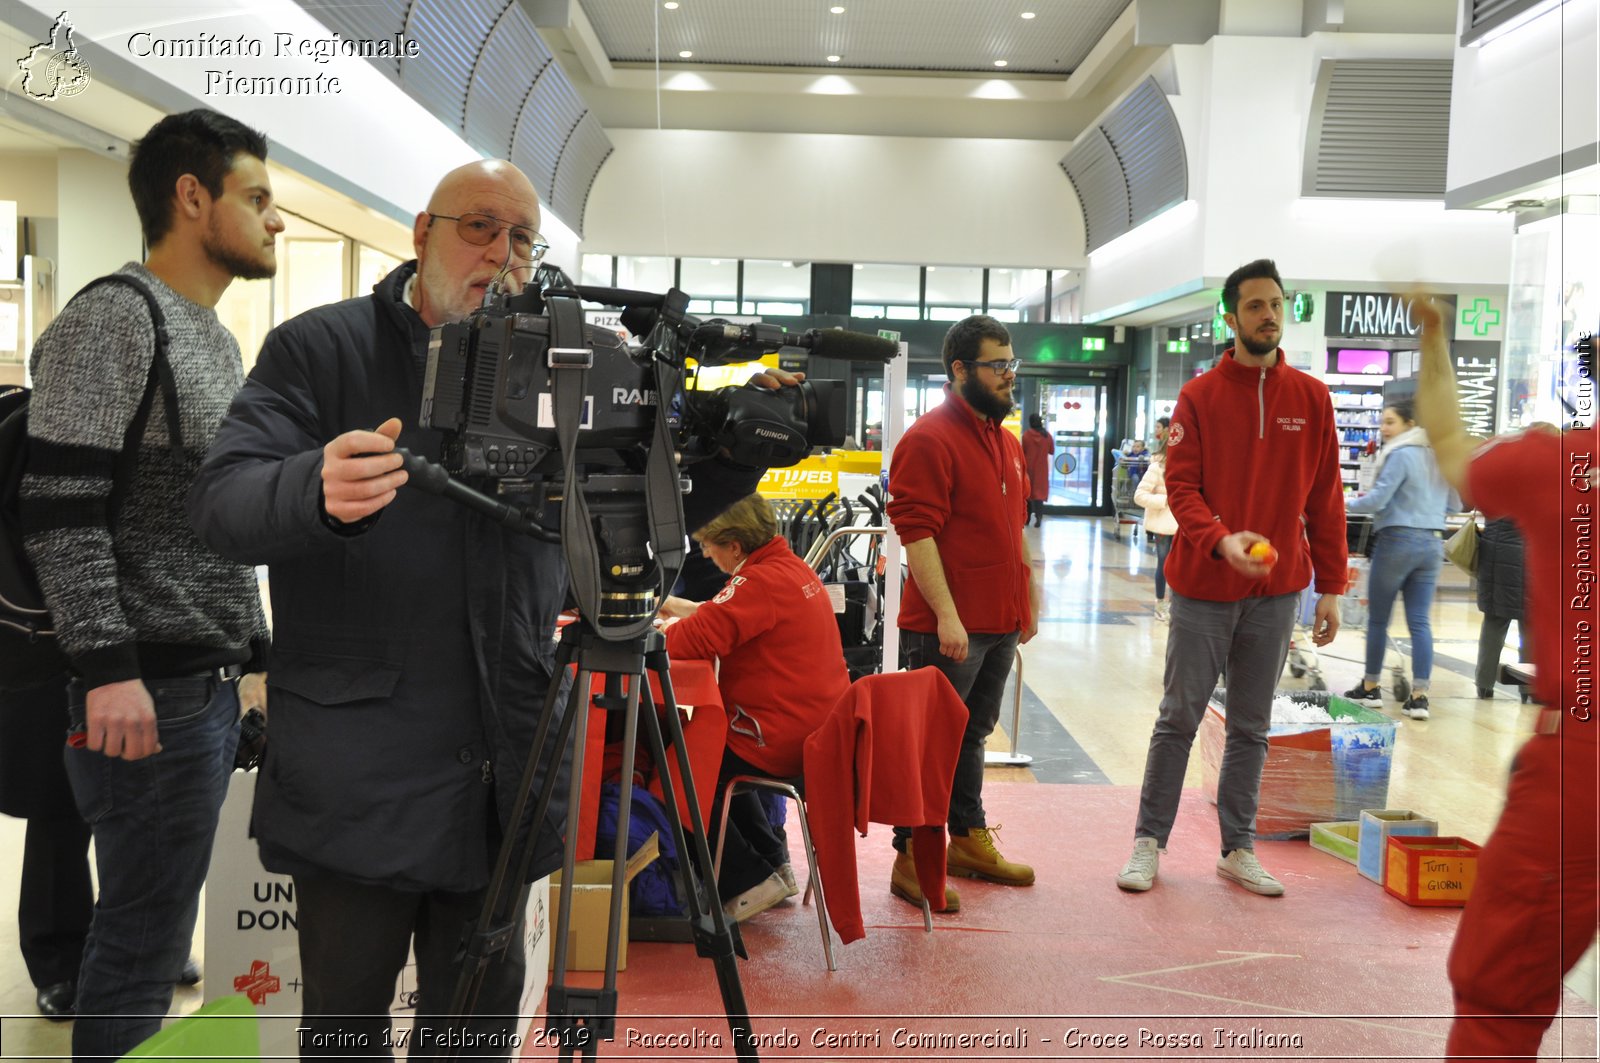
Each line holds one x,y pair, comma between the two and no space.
886,754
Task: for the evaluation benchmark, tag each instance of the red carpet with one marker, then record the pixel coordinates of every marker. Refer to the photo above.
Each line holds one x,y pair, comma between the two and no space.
1074,968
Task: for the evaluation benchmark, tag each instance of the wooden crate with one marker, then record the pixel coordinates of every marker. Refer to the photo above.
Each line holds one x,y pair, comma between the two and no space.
1376,826
1431,872
1337,839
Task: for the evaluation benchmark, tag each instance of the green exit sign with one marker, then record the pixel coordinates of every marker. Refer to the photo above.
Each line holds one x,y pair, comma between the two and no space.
1094,343
1304,307
1177,346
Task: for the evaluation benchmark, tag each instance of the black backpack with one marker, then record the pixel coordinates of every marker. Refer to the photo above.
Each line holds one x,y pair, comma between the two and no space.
29,653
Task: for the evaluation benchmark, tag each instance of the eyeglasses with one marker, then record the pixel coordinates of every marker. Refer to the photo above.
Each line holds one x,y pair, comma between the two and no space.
481,230
998,366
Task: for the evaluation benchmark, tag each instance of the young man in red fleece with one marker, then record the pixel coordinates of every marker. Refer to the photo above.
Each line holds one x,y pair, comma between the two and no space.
1252,457
959,501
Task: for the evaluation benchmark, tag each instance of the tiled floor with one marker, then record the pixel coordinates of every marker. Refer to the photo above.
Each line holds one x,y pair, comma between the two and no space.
1361,974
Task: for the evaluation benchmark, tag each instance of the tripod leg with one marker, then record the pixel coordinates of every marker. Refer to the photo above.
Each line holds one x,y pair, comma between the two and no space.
496,927
714,937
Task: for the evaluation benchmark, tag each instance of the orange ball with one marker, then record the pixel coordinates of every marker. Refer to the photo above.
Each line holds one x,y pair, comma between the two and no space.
1264,552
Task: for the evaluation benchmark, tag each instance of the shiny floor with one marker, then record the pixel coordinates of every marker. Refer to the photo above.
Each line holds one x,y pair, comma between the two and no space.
1356,973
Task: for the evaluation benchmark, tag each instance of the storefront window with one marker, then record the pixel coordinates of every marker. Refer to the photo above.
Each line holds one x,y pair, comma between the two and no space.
954,292
1555,297
888,291
772,287
595,270
312,270
1064,297
709,278
372,266
644,273
1016,290
245,310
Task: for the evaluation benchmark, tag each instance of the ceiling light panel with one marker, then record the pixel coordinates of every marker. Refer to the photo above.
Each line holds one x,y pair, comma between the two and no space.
937,35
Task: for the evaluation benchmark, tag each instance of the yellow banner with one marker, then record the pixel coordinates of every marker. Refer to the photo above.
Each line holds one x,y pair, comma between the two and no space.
812,478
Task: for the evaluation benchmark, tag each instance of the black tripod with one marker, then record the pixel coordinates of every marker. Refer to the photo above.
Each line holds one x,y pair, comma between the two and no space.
579,1018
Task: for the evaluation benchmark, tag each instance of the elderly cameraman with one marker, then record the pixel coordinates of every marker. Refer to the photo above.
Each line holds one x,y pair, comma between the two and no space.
413,636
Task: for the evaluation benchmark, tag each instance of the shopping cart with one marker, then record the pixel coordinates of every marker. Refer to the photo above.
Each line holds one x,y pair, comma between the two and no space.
1126,472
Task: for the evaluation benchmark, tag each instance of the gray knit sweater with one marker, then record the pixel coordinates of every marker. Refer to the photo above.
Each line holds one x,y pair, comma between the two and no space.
147,600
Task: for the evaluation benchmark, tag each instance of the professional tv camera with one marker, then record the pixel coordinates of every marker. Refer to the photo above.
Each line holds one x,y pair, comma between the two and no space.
533,399
490,384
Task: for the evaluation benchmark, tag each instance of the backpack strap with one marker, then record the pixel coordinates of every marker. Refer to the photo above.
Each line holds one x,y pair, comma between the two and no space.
160,376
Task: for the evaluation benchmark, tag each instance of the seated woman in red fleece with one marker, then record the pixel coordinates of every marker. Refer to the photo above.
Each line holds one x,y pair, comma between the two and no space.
782,670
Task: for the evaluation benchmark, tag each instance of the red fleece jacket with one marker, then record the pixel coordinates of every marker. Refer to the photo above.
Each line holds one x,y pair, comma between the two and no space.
887,754
1255,450
782,668
958,479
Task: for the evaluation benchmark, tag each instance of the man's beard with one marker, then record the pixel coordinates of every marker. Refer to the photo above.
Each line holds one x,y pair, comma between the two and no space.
445,296
983,400
1259,348
236,262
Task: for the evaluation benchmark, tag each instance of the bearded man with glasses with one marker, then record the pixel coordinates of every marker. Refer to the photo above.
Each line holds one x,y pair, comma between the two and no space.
413,636
959,502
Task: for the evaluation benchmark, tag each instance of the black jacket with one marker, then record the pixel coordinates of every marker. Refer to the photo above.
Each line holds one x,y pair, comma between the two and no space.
411,657
1500,569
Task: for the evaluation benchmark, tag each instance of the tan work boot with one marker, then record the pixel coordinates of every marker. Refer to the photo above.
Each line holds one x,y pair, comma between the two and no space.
903,883
975,856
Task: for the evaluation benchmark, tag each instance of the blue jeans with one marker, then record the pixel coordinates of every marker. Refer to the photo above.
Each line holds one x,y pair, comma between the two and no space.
1163,545
1405,561
980,681
153,822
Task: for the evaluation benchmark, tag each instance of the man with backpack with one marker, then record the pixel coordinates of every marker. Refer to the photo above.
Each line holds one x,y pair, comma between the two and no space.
155,627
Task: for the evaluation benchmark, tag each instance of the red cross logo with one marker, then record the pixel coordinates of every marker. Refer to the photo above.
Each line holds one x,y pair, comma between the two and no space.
258,983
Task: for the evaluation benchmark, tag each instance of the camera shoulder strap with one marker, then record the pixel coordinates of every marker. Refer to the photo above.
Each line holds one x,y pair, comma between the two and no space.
570,361
663,496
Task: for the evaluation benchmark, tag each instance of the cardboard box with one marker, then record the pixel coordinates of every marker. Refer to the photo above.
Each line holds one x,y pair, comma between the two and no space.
1377,824
591,910
1337,839
1431,872
1315,772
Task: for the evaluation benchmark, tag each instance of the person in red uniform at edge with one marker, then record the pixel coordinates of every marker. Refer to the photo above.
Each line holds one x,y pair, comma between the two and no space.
1533,909
1037,446
958,500
782,671
1252,457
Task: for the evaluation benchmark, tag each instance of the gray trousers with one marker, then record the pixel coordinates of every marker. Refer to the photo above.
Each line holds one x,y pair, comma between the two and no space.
1250,637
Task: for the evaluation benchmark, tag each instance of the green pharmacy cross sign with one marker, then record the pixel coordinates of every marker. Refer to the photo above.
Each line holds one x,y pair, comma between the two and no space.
1480,317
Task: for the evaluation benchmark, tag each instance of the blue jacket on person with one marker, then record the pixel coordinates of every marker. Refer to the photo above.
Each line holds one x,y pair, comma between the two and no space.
1409,492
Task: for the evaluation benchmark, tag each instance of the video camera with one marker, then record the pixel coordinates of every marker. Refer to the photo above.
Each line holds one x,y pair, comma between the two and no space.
490,385
532,398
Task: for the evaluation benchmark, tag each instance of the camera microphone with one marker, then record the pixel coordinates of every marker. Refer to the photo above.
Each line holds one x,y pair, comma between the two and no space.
849,346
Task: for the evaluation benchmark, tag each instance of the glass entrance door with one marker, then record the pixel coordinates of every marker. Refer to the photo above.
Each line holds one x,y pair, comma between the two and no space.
1076,416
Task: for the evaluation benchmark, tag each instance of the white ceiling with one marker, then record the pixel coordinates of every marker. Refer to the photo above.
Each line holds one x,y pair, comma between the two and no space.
921,68
938,35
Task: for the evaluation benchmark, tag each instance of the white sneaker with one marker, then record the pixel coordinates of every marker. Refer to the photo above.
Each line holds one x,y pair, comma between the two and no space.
1139,873
1242,867
1164,611
786,872
757,898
